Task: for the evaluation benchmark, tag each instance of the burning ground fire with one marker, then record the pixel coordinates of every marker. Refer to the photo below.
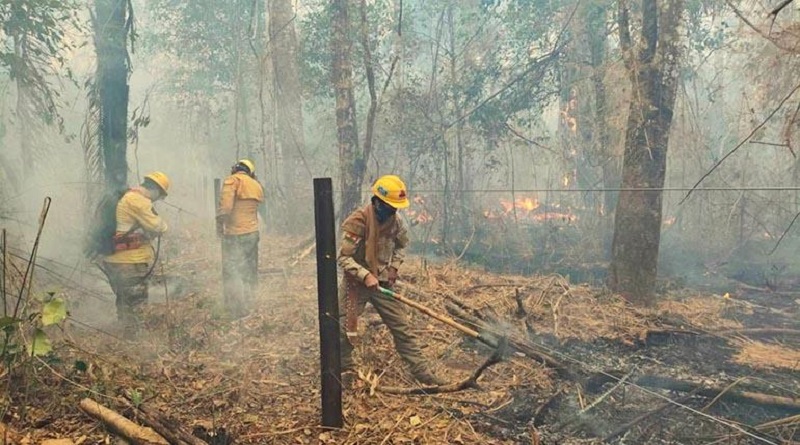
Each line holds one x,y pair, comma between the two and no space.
530,209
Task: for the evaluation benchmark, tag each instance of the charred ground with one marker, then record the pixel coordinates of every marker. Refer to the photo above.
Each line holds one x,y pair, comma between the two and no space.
256,380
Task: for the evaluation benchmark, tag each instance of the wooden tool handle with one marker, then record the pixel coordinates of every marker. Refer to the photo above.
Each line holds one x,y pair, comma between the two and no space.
429,312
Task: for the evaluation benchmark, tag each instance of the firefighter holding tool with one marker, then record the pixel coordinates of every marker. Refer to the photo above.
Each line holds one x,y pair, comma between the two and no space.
373,246
237,217
131,257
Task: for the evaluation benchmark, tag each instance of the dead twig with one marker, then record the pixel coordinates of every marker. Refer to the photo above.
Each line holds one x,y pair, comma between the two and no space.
722,393
740,144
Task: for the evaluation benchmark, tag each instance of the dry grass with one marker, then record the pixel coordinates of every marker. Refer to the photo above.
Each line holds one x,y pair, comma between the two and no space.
708,312
259,377
761,355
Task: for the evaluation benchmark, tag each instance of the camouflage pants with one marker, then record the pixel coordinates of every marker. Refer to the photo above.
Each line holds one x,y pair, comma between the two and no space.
129,283
394,316
240,271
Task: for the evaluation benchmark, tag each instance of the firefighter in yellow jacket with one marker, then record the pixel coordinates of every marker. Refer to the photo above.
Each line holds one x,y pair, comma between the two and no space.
237,216
130,265
371,253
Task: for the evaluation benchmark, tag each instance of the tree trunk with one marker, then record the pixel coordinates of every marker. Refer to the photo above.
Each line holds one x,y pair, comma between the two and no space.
112,80
596,17
288,94
637,224
25,113
457,109
351,164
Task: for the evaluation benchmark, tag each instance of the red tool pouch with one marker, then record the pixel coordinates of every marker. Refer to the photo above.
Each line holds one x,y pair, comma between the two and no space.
128,241
351,302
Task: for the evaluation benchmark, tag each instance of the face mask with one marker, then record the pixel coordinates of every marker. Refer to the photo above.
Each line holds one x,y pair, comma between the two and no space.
383,211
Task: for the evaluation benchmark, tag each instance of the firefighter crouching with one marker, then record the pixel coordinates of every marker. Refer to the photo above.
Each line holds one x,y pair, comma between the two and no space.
237,222
371,253
131,264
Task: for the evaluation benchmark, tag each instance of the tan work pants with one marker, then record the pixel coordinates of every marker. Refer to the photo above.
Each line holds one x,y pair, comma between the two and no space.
394,316
129,283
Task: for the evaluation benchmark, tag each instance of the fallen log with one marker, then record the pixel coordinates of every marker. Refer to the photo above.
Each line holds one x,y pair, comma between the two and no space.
167,428
120,425
733,395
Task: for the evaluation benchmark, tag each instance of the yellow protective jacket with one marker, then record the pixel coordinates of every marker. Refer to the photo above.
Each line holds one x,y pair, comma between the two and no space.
238,204
391,240
135,214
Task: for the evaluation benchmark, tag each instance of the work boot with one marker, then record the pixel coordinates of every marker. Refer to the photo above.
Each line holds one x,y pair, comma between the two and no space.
426,377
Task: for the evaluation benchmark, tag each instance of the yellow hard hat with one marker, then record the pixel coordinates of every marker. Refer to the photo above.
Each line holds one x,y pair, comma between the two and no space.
161,180
391,190
249,164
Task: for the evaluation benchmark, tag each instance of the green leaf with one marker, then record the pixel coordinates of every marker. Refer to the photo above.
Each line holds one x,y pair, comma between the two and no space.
40,345
54,311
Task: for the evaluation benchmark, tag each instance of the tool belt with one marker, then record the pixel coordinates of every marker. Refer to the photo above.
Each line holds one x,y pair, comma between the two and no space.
129,241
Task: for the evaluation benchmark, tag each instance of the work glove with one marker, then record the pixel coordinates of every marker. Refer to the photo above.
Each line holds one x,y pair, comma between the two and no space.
392,274
371,282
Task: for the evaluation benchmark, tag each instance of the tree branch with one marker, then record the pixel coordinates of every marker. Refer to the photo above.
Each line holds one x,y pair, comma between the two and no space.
470,382
780,7
373,95
740,144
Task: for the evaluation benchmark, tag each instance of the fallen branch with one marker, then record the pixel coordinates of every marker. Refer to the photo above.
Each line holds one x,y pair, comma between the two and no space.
732,395
133,433
762,332
520,345
491,285
172,432
469,383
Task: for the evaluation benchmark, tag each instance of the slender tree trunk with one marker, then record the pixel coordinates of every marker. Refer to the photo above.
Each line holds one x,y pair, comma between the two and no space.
654,73
372,112
112,80
24,111
288,94
595,27
457,111
351,163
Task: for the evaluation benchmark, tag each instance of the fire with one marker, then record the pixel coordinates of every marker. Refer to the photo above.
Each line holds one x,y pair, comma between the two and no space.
527,205
421,216
529,208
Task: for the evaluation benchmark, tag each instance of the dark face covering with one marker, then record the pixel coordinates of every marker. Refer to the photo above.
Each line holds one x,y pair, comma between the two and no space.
383,211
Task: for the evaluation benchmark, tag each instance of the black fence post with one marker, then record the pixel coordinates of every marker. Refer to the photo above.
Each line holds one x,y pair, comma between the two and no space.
330,361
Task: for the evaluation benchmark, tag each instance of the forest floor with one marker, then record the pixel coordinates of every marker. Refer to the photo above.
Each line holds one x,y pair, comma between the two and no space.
698,368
